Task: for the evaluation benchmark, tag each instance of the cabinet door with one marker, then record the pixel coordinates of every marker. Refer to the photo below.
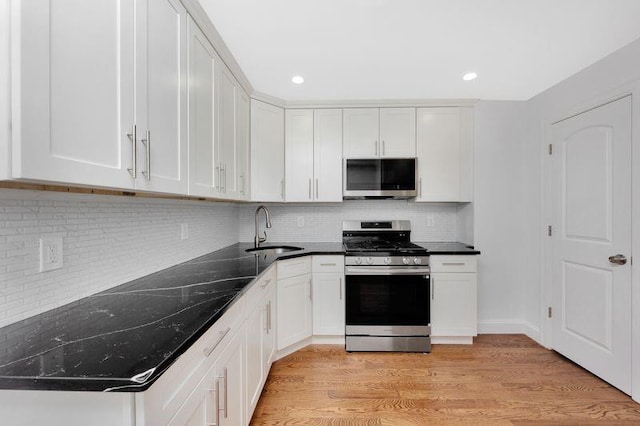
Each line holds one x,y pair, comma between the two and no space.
298,142
226,138
161,96
74,94
328,304
267,152
242,144
203,61
360,133
230,383
397,132
294,310
454,304
445,154
199,409
256,330
327,155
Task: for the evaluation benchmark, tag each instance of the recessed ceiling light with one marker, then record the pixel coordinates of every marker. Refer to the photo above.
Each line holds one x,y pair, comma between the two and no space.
469,76
297,79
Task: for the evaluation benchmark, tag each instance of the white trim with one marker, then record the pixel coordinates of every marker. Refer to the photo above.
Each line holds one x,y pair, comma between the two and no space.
452,340
328,340
384,103
635,241
5,88
513,326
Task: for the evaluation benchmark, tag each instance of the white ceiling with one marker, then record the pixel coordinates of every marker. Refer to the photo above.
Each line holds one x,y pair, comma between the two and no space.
419,49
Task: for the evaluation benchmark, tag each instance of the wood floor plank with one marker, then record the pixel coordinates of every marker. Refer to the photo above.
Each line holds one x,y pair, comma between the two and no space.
499,380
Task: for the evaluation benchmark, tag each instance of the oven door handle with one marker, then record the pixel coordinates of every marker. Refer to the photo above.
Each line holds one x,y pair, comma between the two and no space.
359,270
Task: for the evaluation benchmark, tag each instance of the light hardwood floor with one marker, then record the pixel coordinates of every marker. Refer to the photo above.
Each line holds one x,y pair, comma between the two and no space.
499,380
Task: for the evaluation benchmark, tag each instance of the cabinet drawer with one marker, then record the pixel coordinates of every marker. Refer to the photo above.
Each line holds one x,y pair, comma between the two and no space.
453,263
328,264
168,393
294,267
261,288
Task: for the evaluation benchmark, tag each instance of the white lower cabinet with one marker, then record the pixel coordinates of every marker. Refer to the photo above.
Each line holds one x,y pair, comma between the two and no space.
454,312
328,296
260,340
294,301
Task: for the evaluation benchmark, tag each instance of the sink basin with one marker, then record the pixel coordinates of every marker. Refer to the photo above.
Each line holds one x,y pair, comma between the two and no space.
273,249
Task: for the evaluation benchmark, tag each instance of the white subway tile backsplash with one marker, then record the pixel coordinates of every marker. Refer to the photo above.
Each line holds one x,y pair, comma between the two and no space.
107,240
323,222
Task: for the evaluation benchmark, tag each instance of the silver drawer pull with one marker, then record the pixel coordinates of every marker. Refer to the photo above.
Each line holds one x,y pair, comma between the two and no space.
207,351
328,264
453,263
266,283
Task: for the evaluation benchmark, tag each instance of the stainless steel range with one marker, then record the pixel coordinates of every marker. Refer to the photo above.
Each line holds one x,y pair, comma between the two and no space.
387,288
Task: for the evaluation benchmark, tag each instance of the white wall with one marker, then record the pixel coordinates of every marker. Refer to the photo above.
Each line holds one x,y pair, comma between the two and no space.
499,213
107,241
323,222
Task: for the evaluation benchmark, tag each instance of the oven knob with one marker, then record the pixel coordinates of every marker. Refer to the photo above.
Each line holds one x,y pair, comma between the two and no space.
417,260
387,260
405,261
358,261
369,260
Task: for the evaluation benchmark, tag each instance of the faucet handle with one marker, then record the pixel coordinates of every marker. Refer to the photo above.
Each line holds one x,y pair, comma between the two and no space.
262,240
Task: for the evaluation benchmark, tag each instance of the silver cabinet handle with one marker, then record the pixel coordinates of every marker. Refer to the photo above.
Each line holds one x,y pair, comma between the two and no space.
242,178
207,351
383,148
133,136
459,263
420,185
340,285
433,289
317,193
375,144
266,283
223,178
310,188
618,259
208,411
217,186
310,289
147,144
226,388
217,390
282,189
328,264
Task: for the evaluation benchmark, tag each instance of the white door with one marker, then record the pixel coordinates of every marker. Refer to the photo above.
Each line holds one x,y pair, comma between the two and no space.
327,154
230,378
328,304
397,132
298,142
591,183
75,87
161,96
360,137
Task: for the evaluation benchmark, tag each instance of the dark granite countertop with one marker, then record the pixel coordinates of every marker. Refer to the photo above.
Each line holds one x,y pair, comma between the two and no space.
122,339
103,341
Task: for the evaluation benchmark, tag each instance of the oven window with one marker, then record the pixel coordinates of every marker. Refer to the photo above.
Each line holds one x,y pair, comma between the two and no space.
399,174
387,300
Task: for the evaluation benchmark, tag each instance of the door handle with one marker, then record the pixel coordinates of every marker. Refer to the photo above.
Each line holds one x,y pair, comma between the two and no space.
133,136
618,259
147,144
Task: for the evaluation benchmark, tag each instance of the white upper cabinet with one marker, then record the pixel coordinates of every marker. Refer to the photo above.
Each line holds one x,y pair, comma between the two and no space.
397,132
267,152
313,155
82,68
161,96
73,104
299,154
204,176
445,154
218,124
379,132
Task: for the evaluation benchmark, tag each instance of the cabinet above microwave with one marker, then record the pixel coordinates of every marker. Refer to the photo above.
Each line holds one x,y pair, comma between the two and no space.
379,178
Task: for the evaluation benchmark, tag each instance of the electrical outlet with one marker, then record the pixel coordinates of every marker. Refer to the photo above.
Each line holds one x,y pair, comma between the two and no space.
184,231
431,221
300,221
50,253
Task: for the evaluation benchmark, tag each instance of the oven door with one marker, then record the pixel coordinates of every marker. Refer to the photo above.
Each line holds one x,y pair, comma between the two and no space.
387,301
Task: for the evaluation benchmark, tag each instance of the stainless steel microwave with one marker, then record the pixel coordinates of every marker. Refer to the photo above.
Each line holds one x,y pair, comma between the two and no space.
379,178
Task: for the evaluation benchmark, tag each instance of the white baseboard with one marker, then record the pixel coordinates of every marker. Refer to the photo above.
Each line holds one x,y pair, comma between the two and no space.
509,327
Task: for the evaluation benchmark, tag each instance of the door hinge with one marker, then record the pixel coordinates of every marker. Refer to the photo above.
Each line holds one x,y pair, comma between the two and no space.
550,149
550,230
549,312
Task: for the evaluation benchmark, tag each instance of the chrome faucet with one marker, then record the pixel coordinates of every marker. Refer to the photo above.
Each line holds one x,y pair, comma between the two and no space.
257,239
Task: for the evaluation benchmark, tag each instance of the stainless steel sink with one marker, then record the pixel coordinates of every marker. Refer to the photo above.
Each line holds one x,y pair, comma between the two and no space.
273,249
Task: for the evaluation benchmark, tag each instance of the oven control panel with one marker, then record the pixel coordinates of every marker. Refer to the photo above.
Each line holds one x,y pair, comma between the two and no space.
386,260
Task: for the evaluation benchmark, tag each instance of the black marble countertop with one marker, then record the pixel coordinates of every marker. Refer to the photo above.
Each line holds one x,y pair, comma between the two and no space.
122,339
103,341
